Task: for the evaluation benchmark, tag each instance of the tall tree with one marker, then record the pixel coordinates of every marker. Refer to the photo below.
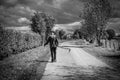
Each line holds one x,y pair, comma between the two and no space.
50,21
77,33
96,13
42,23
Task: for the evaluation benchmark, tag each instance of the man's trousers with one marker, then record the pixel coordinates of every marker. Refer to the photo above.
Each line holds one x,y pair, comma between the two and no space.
53,53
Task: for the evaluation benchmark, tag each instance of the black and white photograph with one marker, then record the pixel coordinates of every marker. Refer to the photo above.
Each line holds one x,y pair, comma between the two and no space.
59,39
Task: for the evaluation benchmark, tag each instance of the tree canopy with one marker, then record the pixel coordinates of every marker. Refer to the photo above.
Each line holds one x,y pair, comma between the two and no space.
42,23
96,13
111,34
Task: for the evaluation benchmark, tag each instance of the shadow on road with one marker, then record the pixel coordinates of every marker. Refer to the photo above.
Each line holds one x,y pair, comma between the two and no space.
113,56
84,46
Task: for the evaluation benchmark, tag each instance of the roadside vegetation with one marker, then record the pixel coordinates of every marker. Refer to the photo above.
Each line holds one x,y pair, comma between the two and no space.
14,42
112,58
96,14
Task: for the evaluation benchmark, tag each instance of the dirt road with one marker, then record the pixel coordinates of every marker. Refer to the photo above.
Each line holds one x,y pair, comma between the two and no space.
78,65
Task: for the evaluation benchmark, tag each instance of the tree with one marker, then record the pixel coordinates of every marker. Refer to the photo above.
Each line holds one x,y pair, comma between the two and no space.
61,33
50,21
80,33
57,33
42,23
96,13
111,34
77,34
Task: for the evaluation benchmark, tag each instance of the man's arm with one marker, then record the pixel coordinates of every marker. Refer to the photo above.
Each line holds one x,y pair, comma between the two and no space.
47,41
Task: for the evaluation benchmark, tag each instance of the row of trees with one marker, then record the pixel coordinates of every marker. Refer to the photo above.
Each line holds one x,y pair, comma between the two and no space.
106,34
43,23
96,14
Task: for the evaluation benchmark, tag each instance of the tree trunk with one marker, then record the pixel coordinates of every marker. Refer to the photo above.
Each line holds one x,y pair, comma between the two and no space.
105,43
47,33
110,43
98,41
98,38
43,38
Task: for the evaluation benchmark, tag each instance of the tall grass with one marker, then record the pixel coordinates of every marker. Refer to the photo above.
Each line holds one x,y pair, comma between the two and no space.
14,42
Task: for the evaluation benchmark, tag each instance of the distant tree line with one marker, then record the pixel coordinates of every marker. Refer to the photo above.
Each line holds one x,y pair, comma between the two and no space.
106,34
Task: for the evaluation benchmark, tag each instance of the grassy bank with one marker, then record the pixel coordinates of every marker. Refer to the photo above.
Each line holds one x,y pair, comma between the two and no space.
110,57
28,65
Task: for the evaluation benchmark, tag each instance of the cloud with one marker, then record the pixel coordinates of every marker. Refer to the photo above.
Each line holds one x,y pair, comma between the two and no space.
24,20
10,16
12,10
116,8
26,9
64,11
70,27
58,3
12,3
114,24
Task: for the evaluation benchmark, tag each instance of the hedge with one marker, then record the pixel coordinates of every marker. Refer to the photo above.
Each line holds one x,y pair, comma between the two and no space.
14,42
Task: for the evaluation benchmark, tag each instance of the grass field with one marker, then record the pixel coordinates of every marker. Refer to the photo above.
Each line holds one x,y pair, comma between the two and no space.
110,57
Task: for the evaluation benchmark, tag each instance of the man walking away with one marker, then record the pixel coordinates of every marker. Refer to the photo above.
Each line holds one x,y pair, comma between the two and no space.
53,42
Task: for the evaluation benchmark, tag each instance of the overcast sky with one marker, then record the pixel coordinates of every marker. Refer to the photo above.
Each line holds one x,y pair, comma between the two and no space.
18,12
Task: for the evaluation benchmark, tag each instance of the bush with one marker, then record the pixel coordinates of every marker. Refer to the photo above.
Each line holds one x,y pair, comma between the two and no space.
111,33
14,42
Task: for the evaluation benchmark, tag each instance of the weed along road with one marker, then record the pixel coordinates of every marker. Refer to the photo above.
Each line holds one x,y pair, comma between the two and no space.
78,65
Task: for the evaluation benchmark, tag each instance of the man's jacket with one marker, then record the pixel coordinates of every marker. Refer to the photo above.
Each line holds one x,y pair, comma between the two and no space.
52,40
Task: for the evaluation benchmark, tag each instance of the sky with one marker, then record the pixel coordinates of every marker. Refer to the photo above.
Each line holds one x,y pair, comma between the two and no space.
19,12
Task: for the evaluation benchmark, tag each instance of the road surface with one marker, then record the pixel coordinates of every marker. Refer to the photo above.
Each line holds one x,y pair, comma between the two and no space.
77,65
